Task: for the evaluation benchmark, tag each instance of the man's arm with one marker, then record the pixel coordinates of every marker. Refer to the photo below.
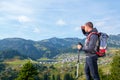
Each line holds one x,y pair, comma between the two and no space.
85,33
83,30
92,44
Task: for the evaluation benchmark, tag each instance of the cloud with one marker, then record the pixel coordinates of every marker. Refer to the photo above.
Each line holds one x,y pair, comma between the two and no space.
23,19
61,22
15,7
36,30
101,23
108,25
77,29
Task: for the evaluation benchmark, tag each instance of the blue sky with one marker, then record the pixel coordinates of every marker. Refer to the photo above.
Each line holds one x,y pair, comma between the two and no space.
43,19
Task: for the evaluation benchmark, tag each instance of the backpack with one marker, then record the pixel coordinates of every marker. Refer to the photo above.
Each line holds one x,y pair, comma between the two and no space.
101,44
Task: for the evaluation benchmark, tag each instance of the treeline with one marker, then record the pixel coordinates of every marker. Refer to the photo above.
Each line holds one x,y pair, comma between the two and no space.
31,71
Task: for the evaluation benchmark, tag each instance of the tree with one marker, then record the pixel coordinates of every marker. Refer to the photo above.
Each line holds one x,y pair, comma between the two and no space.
58,77
8,74
115,67
28,72
53,77
67,76
52,67
71,77
2,67
46,76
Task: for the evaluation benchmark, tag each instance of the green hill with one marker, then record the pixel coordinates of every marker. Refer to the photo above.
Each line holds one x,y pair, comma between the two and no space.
10,54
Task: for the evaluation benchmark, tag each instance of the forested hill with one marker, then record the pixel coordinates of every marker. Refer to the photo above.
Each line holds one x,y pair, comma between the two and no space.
48,47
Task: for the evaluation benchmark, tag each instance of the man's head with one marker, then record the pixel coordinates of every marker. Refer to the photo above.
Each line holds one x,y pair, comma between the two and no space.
88,26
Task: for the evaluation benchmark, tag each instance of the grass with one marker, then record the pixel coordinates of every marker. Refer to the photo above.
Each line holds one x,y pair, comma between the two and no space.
16,63
44,58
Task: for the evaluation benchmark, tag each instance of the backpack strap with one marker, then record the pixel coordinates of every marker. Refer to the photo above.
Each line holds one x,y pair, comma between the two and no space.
88,37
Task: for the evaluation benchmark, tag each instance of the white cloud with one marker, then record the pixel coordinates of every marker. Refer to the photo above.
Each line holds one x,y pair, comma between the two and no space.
100,23
36,30
77,28
15,7
23,19
108,25
61,22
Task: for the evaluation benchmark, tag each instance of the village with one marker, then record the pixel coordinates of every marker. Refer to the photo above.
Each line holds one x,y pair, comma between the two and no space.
73,58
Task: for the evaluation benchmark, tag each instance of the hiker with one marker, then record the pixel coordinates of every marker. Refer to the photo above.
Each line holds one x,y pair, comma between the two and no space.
91,67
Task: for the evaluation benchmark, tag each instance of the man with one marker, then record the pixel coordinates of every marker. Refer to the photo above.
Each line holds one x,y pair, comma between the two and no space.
91,67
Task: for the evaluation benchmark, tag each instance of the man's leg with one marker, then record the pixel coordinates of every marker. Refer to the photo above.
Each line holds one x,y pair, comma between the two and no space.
87,70
94,67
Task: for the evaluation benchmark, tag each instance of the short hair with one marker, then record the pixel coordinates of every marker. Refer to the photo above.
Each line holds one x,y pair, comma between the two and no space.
90,24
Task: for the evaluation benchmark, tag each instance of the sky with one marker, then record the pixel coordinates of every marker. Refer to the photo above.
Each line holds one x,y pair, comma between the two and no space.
43,19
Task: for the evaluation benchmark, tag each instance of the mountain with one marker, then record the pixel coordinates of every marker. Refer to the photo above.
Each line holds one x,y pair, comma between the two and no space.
54,46
36,49
48,47
114,41
10,54
21,45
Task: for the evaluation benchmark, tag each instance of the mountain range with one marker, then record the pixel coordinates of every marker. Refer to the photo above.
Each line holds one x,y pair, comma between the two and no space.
48,47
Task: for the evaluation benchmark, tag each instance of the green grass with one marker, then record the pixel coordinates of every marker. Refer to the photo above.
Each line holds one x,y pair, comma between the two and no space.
44,58
15,62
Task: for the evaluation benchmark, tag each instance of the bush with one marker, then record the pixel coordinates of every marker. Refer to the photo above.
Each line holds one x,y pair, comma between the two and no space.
28,72
115,67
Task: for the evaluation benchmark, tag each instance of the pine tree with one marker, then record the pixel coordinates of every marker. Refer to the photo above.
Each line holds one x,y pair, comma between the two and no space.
53,77
46,76
58,77
28,72
71,77
2,67
67,76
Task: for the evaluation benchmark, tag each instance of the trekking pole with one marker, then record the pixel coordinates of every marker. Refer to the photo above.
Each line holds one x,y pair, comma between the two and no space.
78,62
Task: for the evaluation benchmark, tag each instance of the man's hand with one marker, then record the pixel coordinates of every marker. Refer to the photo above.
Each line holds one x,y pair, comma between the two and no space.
83,27
79,47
